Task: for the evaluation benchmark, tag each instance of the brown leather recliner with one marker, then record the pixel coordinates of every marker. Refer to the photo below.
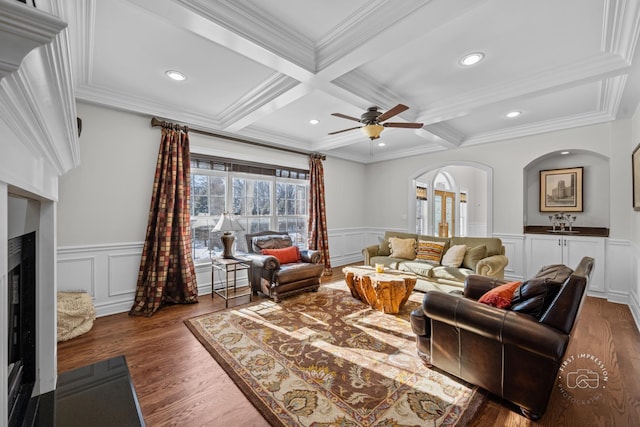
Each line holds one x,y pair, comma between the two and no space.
514,353
278,280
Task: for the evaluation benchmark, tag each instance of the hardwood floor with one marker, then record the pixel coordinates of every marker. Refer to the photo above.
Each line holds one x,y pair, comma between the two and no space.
179,384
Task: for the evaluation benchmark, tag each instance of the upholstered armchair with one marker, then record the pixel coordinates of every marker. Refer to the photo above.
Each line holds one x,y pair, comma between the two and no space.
514,352
278,268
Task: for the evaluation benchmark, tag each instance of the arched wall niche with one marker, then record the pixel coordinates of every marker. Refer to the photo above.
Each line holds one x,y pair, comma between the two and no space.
474,178
595,187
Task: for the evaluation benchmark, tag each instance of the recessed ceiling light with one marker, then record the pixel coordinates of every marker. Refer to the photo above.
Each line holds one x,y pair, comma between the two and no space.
564,153
471,58
513,114
175,75
381,144
314,121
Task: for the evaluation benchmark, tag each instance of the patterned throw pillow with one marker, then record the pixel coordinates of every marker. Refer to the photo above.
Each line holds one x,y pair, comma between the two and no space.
402,248
454,256
430,251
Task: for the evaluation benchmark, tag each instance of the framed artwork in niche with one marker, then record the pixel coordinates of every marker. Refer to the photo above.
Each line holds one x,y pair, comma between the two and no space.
561,190
635,173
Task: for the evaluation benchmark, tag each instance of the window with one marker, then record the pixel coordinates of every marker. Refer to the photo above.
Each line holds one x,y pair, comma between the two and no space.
261,197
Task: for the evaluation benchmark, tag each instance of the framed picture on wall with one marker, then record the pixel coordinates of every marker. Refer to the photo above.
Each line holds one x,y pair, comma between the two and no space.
635,173
561,190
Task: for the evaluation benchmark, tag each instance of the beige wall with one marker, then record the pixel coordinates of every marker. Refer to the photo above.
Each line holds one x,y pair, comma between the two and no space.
106,199
507,159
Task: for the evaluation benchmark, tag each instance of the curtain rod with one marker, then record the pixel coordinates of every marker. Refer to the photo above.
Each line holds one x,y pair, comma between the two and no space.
155,122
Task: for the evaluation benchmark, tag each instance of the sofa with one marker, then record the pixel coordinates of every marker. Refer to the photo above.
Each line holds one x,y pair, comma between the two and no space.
479,255
508,338
278,268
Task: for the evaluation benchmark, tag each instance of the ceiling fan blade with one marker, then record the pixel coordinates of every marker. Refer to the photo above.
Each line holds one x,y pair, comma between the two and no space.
392,112
344,130
344,116
403,125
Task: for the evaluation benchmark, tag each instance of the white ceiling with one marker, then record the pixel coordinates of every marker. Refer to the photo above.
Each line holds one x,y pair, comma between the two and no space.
263,68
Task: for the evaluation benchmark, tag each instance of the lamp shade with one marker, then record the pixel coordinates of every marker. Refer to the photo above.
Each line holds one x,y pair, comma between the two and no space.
227,223
372,131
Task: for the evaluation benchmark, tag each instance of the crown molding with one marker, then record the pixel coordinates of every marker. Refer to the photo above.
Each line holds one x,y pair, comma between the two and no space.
360,27
400,154
275,138
262,29
276,85
126,102
365,87
540,127
612,93
447,133
82,18
587,70
621,23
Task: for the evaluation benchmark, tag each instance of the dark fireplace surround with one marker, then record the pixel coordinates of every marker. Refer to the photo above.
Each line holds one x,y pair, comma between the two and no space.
21,325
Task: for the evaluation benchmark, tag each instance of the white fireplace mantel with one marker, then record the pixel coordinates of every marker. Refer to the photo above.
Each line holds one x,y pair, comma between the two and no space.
37,100
38,143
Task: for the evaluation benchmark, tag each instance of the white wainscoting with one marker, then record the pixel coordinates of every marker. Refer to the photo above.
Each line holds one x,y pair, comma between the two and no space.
109,272
345,245
618,270
514,250
634,292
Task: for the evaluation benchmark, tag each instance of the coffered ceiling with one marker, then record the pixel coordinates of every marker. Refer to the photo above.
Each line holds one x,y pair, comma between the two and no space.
262,69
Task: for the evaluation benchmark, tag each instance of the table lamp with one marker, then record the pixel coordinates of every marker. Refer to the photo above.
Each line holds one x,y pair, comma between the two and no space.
227,224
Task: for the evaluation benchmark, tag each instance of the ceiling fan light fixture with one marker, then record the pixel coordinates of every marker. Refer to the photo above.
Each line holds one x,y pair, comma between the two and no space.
471,59
372,131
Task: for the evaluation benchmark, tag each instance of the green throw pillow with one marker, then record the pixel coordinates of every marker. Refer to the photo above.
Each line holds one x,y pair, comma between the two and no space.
473,255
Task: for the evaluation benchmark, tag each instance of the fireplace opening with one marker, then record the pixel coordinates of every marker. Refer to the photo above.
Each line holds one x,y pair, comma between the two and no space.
21,295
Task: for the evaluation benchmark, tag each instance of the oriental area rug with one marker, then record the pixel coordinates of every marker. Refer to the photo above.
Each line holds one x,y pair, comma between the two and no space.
327,359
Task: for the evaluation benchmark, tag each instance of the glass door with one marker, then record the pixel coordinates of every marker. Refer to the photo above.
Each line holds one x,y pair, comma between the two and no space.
444,213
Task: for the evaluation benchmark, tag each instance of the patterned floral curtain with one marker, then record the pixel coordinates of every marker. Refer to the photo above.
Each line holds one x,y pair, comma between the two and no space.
318,231
167,274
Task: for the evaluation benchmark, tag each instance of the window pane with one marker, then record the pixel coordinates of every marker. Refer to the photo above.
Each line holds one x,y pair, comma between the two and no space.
217,186
200,205
217,205
301,207
199,185
258,202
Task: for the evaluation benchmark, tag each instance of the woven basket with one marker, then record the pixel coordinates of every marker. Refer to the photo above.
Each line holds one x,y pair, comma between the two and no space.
76,314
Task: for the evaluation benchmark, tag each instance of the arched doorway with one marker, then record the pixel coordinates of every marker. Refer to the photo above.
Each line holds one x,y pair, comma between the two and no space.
452,199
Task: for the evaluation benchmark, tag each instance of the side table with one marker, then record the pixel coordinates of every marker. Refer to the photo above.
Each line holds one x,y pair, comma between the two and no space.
230,267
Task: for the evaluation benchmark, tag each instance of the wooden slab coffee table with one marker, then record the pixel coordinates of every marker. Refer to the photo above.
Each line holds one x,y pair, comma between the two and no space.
386,292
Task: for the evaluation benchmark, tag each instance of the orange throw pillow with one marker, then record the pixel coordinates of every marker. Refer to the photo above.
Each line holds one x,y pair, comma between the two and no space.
500,296
284,255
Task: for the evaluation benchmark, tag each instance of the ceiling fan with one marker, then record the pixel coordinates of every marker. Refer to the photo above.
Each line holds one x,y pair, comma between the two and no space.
372,121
